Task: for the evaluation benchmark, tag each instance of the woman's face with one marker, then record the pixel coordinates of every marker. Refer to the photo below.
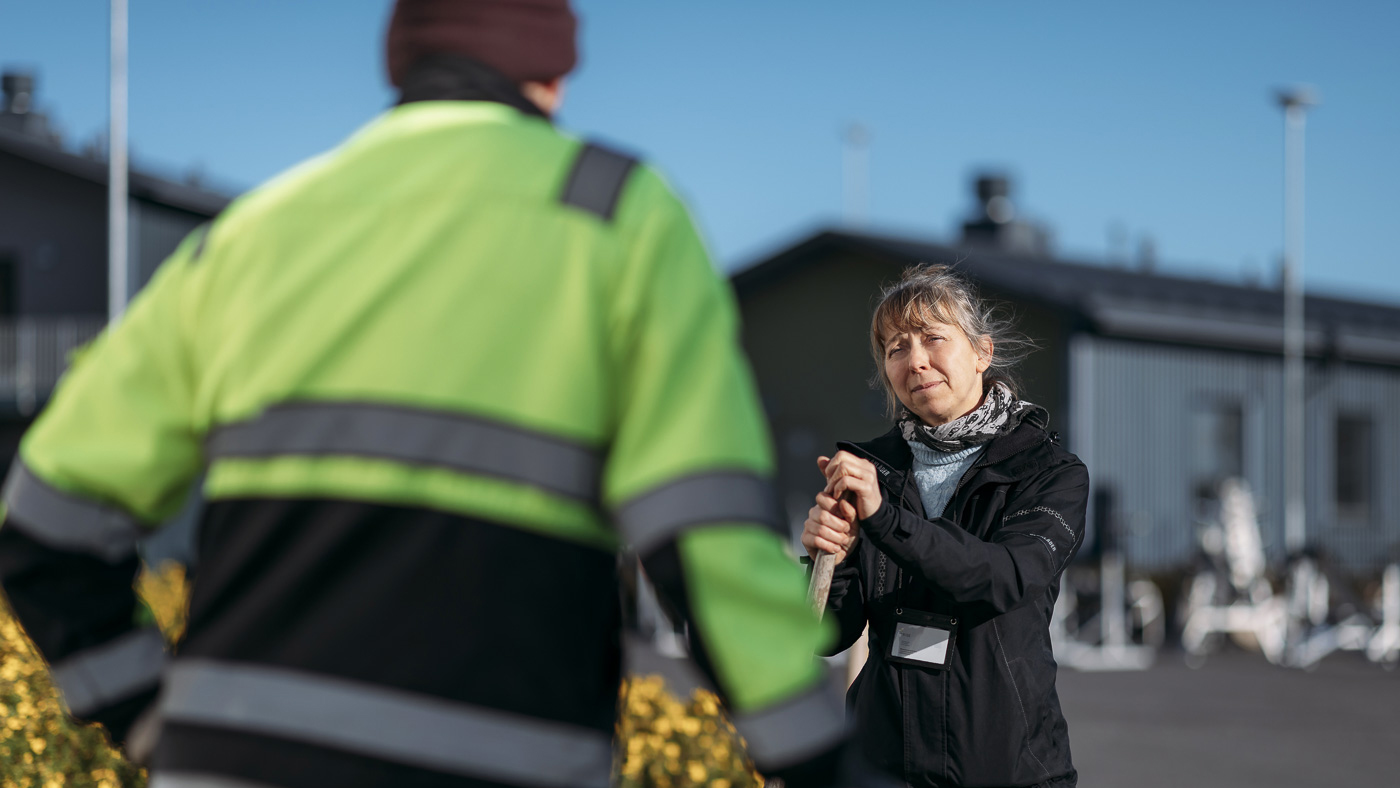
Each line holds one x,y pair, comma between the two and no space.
936,372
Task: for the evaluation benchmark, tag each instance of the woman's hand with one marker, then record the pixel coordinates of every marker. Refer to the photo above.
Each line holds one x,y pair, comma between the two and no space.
848,473
830,528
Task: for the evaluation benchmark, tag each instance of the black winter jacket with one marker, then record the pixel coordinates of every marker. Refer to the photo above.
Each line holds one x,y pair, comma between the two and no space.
992,560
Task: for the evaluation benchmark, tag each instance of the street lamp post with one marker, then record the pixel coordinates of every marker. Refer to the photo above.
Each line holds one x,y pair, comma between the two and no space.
118,277
1295,103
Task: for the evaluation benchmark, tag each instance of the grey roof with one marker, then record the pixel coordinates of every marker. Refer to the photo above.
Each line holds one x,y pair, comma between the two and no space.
141,185
1117,301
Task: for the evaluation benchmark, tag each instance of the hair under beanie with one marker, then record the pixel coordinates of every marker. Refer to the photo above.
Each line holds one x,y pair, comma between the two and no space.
526,40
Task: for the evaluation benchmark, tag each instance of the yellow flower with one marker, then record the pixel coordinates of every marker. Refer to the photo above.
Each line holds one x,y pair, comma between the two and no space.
165,591
668,742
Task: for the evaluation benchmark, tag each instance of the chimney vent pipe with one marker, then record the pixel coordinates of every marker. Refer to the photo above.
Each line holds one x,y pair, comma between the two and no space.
19,92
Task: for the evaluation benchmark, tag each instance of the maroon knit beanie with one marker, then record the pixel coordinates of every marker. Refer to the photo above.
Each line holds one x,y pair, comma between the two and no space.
526,40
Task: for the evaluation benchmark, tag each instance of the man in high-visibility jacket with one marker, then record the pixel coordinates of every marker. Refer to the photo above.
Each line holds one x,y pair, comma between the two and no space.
435,378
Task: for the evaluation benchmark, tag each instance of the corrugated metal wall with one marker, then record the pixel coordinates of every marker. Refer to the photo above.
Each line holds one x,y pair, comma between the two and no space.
1137,409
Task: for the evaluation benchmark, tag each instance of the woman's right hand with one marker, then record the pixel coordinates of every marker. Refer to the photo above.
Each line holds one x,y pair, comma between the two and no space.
830,527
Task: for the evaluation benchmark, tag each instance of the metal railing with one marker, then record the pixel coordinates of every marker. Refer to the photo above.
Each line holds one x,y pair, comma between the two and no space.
34,354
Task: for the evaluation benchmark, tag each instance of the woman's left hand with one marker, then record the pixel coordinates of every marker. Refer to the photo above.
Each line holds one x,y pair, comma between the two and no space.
848,473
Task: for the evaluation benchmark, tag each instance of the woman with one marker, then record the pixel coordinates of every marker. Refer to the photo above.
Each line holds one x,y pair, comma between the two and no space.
950,533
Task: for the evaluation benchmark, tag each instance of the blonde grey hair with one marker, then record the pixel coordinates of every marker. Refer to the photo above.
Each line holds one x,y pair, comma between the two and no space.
930,294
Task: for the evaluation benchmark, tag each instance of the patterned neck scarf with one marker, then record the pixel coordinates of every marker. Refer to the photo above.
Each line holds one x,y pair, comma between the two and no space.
999,414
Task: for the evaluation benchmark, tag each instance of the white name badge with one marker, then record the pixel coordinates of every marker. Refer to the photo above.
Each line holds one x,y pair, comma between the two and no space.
922,639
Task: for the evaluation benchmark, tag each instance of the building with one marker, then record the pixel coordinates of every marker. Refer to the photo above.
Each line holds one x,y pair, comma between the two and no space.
1163,385
53,249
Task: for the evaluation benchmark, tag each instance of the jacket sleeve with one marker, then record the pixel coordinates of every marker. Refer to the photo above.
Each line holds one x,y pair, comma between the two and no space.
112,455
1042,526
845,605
688,481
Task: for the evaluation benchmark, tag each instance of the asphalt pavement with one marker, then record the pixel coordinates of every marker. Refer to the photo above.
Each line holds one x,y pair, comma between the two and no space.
1235,722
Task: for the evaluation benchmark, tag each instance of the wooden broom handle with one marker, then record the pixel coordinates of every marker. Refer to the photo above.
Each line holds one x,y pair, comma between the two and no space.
822,570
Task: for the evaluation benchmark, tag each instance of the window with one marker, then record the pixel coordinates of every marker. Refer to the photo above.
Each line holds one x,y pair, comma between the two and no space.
1217,447
9,299
1353,468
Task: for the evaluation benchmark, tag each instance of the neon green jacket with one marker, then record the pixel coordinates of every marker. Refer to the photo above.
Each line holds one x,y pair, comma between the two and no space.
438,376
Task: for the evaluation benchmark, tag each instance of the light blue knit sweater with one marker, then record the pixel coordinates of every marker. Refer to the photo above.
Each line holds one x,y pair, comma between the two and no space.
937,474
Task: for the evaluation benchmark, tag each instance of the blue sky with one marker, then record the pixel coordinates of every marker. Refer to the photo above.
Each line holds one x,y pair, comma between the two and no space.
1156,118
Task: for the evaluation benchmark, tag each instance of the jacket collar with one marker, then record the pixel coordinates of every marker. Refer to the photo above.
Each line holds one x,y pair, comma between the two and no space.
889,453
892,459
445,77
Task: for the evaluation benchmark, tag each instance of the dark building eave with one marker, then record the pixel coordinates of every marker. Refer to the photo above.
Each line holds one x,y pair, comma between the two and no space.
1119,302
140,186
766,271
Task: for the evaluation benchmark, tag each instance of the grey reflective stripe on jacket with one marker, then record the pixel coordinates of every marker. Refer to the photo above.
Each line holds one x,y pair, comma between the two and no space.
65,521
655,517
597,179
789,732
417,436
426,731
100,676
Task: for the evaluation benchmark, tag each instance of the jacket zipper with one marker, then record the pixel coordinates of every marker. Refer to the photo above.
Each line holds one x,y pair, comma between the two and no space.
908,760
903,687
961,481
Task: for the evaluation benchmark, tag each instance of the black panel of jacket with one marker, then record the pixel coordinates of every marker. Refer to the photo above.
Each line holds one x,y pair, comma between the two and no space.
992,560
